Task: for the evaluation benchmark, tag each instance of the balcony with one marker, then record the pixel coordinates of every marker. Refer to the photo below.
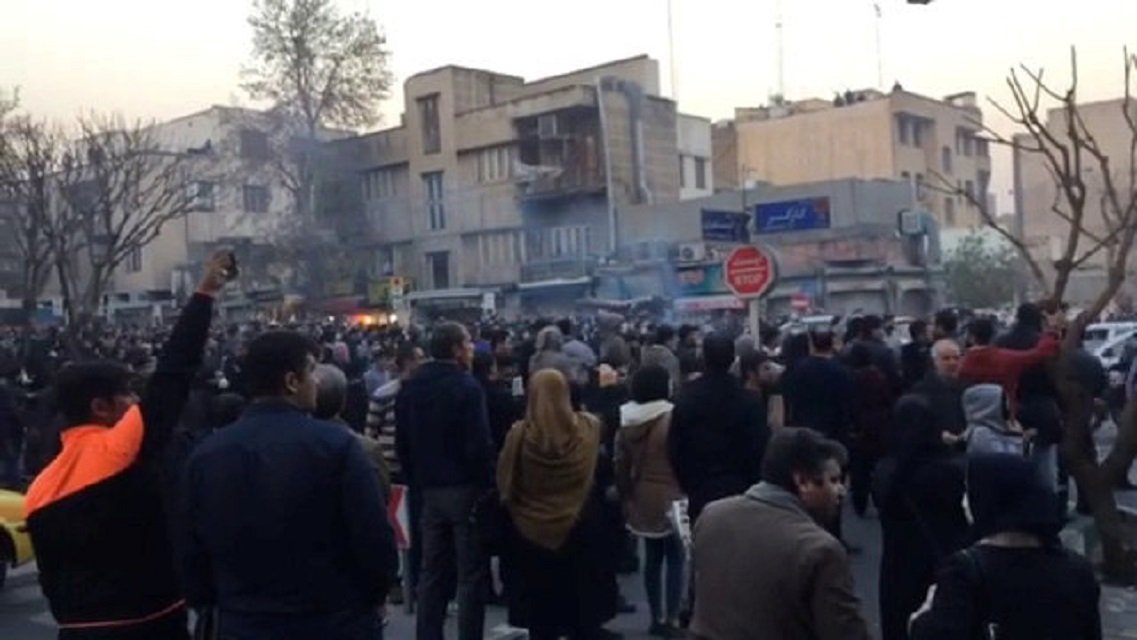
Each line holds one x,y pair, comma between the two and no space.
548,183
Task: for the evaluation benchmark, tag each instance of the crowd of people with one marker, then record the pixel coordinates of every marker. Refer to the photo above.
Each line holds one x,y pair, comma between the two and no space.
244,473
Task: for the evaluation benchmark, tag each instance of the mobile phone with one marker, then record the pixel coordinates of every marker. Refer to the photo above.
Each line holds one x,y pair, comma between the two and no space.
233,271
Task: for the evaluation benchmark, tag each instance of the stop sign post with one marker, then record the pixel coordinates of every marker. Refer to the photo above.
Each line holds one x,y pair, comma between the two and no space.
750,272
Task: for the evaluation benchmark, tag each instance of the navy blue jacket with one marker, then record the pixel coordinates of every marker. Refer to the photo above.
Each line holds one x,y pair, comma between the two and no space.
442,430
284,518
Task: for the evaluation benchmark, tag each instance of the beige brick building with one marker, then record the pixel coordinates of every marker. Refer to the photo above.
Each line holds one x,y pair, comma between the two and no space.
492,183
863,134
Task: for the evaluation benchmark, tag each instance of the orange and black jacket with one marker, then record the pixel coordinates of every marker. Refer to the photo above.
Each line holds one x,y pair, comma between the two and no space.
96,513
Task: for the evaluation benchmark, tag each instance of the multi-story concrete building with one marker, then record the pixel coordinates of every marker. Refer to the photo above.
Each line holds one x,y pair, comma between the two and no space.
496,185
836,242
933,144
696,179
1044,230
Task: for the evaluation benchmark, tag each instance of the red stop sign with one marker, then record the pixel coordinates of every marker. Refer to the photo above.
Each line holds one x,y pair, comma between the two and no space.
749,272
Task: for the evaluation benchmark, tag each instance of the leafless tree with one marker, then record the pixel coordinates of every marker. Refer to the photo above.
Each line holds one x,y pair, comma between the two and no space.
1101,225
30,156
119,187
318,69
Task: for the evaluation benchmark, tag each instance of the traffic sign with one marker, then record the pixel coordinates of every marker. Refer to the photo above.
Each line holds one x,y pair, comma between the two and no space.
397,514
749,272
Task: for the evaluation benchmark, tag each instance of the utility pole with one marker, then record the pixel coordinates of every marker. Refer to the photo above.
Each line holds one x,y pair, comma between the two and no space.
879,49
671,52
781,39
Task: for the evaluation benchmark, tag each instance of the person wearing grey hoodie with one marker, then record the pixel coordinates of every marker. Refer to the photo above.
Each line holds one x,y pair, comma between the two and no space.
988,428
647,486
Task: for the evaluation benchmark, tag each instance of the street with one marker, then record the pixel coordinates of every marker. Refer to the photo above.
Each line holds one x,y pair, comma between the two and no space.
24,614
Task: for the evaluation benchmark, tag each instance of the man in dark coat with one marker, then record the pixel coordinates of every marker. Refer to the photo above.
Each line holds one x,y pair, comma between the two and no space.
447,453
274,482
942,390
718,431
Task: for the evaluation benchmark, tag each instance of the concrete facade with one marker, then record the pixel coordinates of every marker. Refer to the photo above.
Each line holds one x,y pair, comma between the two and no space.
490,181
868,135
696,175
857,263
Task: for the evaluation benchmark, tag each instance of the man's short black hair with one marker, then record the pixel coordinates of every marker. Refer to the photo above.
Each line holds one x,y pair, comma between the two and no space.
947,322
871,323
718,352
1029,315
565,325
795,450
406,352
664,333
78,384
982,331
822,340
651,382
917,330
482,365
273,355
751,362
445,338
685,330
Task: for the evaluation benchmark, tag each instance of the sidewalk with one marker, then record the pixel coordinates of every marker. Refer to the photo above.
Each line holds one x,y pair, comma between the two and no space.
1118,604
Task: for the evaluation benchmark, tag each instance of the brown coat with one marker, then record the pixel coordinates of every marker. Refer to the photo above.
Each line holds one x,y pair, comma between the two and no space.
765,569
644,475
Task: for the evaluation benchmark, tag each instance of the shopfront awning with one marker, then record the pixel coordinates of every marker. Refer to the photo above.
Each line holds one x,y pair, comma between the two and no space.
697,304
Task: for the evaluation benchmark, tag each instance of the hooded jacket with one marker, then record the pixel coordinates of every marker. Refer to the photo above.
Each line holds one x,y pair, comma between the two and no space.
984,407
644,475
442,428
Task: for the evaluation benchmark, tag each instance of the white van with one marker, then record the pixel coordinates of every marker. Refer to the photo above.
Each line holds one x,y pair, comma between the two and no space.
1103,332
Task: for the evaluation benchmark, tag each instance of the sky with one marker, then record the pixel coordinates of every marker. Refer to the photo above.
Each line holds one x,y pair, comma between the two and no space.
158,59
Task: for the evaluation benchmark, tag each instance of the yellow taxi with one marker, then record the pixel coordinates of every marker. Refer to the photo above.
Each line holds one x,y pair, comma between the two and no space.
15,543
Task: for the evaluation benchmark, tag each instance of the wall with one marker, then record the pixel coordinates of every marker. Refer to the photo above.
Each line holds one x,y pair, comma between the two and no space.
693,140
642,70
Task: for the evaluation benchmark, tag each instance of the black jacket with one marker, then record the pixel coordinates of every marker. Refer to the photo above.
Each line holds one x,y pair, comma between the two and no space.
103,549
283,516
1038,406
717,439
915,363
819,396
945,397
442,428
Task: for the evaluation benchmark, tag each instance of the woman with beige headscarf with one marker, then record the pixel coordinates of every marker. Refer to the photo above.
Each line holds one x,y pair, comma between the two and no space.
552,475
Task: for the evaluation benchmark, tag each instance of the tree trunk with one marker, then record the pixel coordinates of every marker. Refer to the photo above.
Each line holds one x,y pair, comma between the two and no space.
1118,555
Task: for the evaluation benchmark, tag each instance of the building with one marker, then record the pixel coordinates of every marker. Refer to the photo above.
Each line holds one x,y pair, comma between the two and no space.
1044,230
836,243
497,191
933,144
696,179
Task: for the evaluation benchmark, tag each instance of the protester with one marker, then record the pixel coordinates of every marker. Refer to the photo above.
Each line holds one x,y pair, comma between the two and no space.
990,428
1017,581
331,398
919,493
446,450
662,352
765,567
718,431
985,363
649,489
550,354
942,389
381,410
915,357
552,476
582,357
872,420
275,481
96,513
762,376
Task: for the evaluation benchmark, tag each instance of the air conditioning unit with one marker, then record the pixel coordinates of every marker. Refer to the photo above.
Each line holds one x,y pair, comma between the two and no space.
547,126
692,252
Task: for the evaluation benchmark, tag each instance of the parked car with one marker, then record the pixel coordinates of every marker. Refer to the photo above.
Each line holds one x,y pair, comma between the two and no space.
1113,350
1097,335
15,543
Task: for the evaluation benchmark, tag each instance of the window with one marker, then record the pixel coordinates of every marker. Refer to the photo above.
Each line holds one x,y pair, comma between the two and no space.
682,177
919,186
134,260
905,176
902,129
947,159
969,189
949,212
495,164
700,173
253,144
435,206
438,266
499,248
379,183
917,133
428,114
201,196
981,148
255,198
983,179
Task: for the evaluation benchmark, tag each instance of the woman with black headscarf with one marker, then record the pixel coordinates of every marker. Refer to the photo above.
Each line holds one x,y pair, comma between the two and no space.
919,492
1017,581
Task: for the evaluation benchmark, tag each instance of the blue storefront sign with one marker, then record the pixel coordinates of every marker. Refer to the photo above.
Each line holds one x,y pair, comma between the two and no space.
700,280
792,215
725,226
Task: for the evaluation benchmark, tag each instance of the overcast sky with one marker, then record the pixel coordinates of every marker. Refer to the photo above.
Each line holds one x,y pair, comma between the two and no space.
160,59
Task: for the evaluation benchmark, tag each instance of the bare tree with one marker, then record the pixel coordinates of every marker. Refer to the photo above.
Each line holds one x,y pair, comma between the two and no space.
30,156
318,69
119,188
1101,225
